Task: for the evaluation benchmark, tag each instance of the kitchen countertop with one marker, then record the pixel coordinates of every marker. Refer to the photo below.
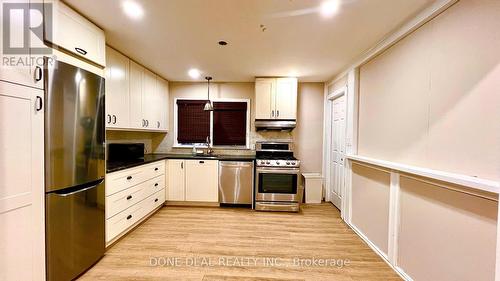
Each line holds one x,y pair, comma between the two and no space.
114,166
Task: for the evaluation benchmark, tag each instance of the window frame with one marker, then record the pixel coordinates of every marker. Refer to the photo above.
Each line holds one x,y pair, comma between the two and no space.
203,145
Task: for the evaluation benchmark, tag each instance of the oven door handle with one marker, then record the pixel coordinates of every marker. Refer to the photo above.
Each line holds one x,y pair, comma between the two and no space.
277,171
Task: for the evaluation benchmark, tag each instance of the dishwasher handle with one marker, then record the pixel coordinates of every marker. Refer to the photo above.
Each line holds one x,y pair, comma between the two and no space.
235,164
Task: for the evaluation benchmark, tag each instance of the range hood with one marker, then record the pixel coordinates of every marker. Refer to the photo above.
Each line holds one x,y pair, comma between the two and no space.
273,124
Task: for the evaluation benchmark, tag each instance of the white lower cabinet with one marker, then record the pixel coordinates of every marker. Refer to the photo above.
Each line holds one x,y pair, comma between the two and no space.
176,182
193,180
22,228
131,195
202,180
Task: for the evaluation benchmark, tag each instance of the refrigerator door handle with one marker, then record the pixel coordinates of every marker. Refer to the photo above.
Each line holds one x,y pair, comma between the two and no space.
79,188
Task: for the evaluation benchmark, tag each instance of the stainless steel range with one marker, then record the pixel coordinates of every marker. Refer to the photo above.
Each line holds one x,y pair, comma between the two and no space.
278,184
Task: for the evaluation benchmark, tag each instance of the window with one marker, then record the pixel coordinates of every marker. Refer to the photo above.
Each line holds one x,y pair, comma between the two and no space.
193,123
228,124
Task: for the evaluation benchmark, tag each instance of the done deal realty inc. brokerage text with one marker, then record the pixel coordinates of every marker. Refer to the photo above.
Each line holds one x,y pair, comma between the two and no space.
228,261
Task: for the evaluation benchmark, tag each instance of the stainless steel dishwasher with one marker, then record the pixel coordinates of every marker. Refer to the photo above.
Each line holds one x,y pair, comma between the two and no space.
236,182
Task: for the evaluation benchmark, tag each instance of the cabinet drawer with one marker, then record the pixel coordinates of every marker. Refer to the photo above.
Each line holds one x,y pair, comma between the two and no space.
154,169
130,196
125,219
122,221
154,185
154,201
122,180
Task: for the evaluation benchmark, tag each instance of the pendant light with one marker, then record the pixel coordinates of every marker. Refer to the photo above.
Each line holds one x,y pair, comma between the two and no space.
208,104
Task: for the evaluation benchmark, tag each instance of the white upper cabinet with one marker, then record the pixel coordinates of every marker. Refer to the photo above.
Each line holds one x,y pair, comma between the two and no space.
136,98
286,98
117,89
163,102
15,72
150,110
276,98
264,98
135,88
72,32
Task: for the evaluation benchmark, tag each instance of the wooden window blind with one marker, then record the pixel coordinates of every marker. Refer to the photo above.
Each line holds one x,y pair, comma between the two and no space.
230,123
193,123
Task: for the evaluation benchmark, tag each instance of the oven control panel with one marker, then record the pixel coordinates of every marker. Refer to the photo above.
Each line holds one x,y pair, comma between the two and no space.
278,163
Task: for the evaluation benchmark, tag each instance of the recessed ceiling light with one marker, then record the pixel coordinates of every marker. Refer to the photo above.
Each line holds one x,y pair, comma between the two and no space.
329,8
223,43
132,9
194,73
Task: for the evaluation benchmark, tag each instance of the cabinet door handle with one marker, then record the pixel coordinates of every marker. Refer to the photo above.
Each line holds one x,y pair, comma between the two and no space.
272,113
114,119
156,200
38,73
109,119
277,113
158,124
156,169
39,103
147,123
156,184
129,217
81,51
182,165
129,197
129,177
202,162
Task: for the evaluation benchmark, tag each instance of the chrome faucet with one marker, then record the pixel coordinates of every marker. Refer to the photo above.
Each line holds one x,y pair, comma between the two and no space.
209,148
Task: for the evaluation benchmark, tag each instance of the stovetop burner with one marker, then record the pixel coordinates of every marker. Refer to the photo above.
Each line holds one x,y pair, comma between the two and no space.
276,155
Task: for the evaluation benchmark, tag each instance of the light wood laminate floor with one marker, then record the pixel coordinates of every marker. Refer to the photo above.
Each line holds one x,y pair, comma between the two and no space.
240,244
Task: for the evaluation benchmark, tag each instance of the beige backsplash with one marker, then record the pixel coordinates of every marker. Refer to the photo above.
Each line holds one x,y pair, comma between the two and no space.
158,142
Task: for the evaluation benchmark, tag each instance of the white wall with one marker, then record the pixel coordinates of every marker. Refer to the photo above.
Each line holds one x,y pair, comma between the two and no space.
308,135
432,99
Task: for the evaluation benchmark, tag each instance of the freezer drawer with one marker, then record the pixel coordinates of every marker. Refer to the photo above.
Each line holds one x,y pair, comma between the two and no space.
74,230
236,182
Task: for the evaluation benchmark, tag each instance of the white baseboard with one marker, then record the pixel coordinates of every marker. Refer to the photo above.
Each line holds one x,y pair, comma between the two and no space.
379,252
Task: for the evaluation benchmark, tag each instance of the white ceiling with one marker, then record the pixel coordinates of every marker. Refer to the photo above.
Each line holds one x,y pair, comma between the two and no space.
176,35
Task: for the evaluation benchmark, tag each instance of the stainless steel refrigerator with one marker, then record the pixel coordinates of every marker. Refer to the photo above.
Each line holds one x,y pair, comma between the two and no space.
74,169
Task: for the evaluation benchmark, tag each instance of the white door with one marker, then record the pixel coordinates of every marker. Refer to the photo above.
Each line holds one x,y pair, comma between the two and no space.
135,92
286,98
202,180
74,33
337,150
22,240
150,105
176,180
117,89
264,98
163,104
